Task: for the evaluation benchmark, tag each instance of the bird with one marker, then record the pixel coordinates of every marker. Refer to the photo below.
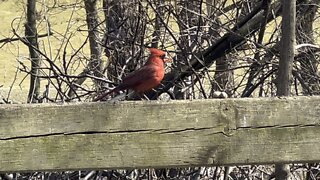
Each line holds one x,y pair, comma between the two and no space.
146,78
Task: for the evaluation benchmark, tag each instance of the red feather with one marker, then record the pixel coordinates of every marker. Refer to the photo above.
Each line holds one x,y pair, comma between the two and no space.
144,79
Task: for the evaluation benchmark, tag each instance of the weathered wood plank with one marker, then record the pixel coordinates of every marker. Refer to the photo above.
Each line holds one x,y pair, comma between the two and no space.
159,134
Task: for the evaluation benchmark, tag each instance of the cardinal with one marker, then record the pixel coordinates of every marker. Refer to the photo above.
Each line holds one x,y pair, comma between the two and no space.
146,78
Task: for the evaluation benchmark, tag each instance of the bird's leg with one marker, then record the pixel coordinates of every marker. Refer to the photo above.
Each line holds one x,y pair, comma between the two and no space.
140,96
145,97
122,96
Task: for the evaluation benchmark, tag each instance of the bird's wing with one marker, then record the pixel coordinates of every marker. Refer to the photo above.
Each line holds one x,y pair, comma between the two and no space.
137,77
134,80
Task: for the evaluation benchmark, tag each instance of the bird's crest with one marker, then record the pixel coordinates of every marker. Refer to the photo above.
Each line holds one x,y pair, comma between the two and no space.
157,52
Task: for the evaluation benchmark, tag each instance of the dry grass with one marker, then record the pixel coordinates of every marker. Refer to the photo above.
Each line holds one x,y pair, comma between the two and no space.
64,22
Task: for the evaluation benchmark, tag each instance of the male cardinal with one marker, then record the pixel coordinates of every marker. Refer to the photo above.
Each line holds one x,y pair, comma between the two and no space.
144,79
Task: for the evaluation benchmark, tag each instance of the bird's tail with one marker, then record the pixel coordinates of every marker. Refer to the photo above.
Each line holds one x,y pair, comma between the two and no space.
106,94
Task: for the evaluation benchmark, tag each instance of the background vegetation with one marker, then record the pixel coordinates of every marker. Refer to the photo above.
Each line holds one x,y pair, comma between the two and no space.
70,50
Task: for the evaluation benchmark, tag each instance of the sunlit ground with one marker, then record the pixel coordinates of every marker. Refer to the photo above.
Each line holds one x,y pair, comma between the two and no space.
63,22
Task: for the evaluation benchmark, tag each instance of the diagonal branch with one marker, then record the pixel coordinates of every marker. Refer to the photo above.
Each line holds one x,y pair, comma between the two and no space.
235,37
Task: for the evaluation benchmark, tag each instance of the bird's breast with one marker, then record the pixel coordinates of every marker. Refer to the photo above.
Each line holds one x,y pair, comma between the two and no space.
154,78
159,74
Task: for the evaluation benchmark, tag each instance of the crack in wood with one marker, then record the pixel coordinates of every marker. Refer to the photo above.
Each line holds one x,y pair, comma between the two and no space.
186,130
226,132
78,133
278,126
30,136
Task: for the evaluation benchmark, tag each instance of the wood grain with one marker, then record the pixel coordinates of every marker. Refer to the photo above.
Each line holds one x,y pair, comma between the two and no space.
144,134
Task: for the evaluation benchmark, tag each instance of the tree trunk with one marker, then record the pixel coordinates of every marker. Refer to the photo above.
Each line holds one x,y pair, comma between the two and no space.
255,68
95,65
285,65
287,43
190,25
158,25
31,34
223,76
125,28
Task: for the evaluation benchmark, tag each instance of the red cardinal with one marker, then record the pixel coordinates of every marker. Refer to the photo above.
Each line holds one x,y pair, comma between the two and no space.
144,79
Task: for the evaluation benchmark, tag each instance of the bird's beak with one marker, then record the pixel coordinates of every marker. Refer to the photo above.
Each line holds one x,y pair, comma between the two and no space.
167,58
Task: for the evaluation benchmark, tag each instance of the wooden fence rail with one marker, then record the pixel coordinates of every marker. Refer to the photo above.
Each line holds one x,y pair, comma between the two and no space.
156,134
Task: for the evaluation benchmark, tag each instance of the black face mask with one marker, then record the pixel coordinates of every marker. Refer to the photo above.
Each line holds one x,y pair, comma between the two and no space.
162,57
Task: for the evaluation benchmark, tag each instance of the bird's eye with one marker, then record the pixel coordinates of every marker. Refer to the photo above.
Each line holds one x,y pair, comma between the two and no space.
163,56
